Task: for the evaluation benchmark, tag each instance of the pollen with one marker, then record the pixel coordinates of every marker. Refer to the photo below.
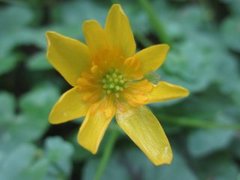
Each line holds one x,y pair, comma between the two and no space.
113,82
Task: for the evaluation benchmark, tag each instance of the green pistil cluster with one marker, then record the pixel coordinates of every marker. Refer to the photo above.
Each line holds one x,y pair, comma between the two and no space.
113,82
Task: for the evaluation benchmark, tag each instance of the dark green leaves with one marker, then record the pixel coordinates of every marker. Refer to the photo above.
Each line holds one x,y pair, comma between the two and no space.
27,162
132,164
203,128
230,32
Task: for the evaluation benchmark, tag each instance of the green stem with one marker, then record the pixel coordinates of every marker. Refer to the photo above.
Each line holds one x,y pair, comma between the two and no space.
187,122
106,155
155,22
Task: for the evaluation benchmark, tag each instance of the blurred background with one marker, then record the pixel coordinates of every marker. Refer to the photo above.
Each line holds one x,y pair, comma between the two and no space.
203,129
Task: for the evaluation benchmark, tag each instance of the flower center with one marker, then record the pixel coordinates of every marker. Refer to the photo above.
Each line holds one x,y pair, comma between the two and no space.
113,82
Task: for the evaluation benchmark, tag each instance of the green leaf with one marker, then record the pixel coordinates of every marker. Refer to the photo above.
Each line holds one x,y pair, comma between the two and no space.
32,123
14,21
178,170
35,107
20,129
76,12
133,164
235,95
203,142
38,102
59,153
229,76
30,36
37,171
8,63
16,162
236,147
218,167
230,31
180,23
27,128
39,62
21,15
197,66
70,16
52,162
233,4
17,31
191,65
8,110
26,162
204,106
138,20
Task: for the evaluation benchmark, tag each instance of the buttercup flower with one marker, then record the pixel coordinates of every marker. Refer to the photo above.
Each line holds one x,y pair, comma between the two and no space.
108,80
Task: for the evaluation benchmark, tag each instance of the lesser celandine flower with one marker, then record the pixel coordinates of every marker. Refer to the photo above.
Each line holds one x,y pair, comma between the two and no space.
108,79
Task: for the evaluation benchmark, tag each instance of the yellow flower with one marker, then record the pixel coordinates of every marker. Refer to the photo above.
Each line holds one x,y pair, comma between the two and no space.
107,79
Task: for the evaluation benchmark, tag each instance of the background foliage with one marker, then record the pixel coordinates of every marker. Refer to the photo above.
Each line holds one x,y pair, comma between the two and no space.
204,129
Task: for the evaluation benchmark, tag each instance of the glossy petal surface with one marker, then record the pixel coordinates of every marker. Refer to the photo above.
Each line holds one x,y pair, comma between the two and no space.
152,57
69,106
119,31
96,38
68,56
165,91
95,124
146,132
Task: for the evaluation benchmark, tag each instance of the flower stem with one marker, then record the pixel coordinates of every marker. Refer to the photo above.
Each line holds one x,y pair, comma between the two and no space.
106,155
155,22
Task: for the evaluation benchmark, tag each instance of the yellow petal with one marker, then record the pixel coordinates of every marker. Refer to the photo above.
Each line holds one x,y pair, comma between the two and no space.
119,31
136,93
96,37
152,57
68,56
146,132
70,106
95,124
166,91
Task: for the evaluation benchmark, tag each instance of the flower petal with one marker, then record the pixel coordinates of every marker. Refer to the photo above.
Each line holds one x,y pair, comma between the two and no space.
68,107
96,37
119,31
95,124
166,91
68,56
152,57
136,93
146,132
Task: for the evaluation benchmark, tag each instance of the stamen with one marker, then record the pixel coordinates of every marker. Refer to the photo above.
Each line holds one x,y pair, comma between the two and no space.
113,82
